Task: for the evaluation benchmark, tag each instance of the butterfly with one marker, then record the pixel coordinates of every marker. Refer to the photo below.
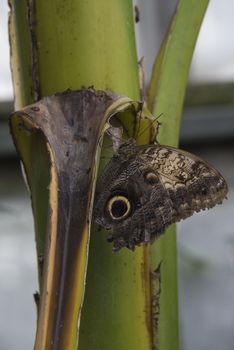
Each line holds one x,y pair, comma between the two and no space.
146,188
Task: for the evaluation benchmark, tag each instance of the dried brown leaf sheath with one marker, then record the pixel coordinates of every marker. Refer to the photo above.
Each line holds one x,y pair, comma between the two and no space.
65,129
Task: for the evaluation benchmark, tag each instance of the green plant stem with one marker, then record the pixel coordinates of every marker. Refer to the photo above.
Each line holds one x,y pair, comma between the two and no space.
166,95
61,45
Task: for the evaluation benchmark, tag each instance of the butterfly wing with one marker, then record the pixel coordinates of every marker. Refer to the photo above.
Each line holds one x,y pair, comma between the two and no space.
134,204
191,183
144,189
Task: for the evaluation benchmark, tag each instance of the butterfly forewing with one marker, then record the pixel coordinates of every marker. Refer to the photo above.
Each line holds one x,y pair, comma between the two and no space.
192,184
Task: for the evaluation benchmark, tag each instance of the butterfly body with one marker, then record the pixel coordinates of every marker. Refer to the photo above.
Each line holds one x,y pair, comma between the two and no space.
144,189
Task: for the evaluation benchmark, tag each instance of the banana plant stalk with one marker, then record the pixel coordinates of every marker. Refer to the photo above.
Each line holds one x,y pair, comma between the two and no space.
71,140
165,95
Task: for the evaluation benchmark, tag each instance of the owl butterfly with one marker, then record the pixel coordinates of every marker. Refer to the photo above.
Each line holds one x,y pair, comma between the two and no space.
144,189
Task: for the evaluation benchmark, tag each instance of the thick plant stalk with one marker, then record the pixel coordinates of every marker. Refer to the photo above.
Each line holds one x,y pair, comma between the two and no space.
71,141
56,47
166,95
127,304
